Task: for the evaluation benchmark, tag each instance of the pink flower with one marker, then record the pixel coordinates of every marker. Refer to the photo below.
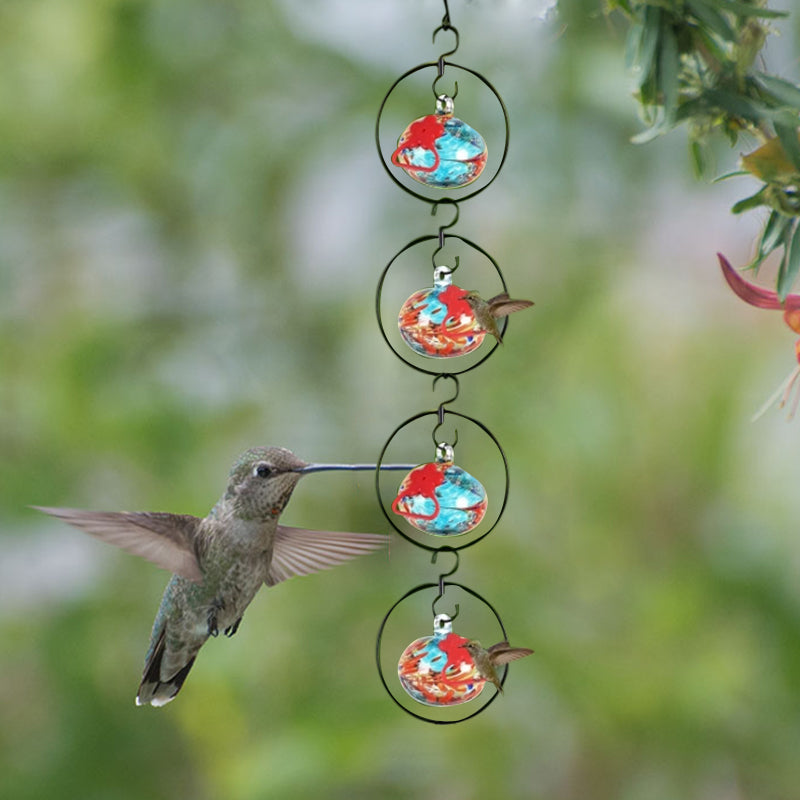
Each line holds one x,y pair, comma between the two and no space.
762,298
765,298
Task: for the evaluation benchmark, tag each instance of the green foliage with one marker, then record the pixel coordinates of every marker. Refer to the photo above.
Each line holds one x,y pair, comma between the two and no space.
695,61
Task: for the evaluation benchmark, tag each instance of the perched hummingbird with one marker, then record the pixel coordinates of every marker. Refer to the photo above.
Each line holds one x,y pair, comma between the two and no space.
488,311
486,661
220,562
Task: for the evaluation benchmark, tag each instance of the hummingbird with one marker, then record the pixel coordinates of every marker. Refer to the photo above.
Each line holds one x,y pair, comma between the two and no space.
219,562
488,311
486,661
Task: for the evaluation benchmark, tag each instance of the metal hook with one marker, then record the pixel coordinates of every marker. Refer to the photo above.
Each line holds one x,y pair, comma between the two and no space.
435,208
454,397
445,26
441,410
436,438
436,265
436,80
446,17
443,228
442,577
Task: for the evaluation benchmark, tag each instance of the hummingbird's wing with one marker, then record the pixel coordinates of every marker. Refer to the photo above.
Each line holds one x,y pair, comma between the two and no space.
299,551
167,540
502,305
502,653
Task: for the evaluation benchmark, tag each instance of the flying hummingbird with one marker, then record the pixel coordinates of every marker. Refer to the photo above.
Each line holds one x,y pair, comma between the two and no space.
220,561
487,661
488,311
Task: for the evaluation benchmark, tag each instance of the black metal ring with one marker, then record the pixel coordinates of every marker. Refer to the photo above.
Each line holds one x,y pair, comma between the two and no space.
408,538
379,639
436,65
441,362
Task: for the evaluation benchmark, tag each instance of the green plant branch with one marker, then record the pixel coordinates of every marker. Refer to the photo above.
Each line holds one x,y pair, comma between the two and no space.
695,62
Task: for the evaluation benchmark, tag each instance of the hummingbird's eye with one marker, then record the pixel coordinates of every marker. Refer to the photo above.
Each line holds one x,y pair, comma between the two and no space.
262,470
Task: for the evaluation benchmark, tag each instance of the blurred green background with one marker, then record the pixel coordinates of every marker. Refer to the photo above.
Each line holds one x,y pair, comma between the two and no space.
193,220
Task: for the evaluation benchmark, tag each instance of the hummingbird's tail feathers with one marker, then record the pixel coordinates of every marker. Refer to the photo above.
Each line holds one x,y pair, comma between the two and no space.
299,551
159,694
167,540
153,690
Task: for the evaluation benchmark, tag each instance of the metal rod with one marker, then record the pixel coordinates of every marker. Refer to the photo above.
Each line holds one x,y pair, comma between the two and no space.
353,467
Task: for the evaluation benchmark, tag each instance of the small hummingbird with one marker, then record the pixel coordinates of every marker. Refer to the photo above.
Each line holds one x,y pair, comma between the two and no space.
486,661
488,311
220,561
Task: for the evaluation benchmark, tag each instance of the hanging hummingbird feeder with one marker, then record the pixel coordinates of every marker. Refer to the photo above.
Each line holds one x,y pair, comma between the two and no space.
438,322
438,670
441,498
441,150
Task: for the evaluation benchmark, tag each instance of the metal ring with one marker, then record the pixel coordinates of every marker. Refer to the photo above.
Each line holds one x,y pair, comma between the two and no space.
406,536
440,361
379,639
393,176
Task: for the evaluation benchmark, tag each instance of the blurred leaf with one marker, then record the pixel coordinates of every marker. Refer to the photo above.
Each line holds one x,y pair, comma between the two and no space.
747,10
735,104
712,19
648,135
774,234
699,160
669,65
647,54
783,90
624,5
633,46
735,174
790,264
755,200
770,163
786,128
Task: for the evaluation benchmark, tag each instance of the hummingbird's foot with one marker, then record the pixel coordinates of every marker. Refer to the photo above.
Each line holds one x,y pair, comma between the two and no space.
231,629
213,628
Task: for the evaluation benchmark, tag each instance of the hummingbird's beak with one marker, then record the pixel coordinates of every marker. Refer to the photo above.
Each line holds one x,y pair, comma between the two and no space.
351,467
